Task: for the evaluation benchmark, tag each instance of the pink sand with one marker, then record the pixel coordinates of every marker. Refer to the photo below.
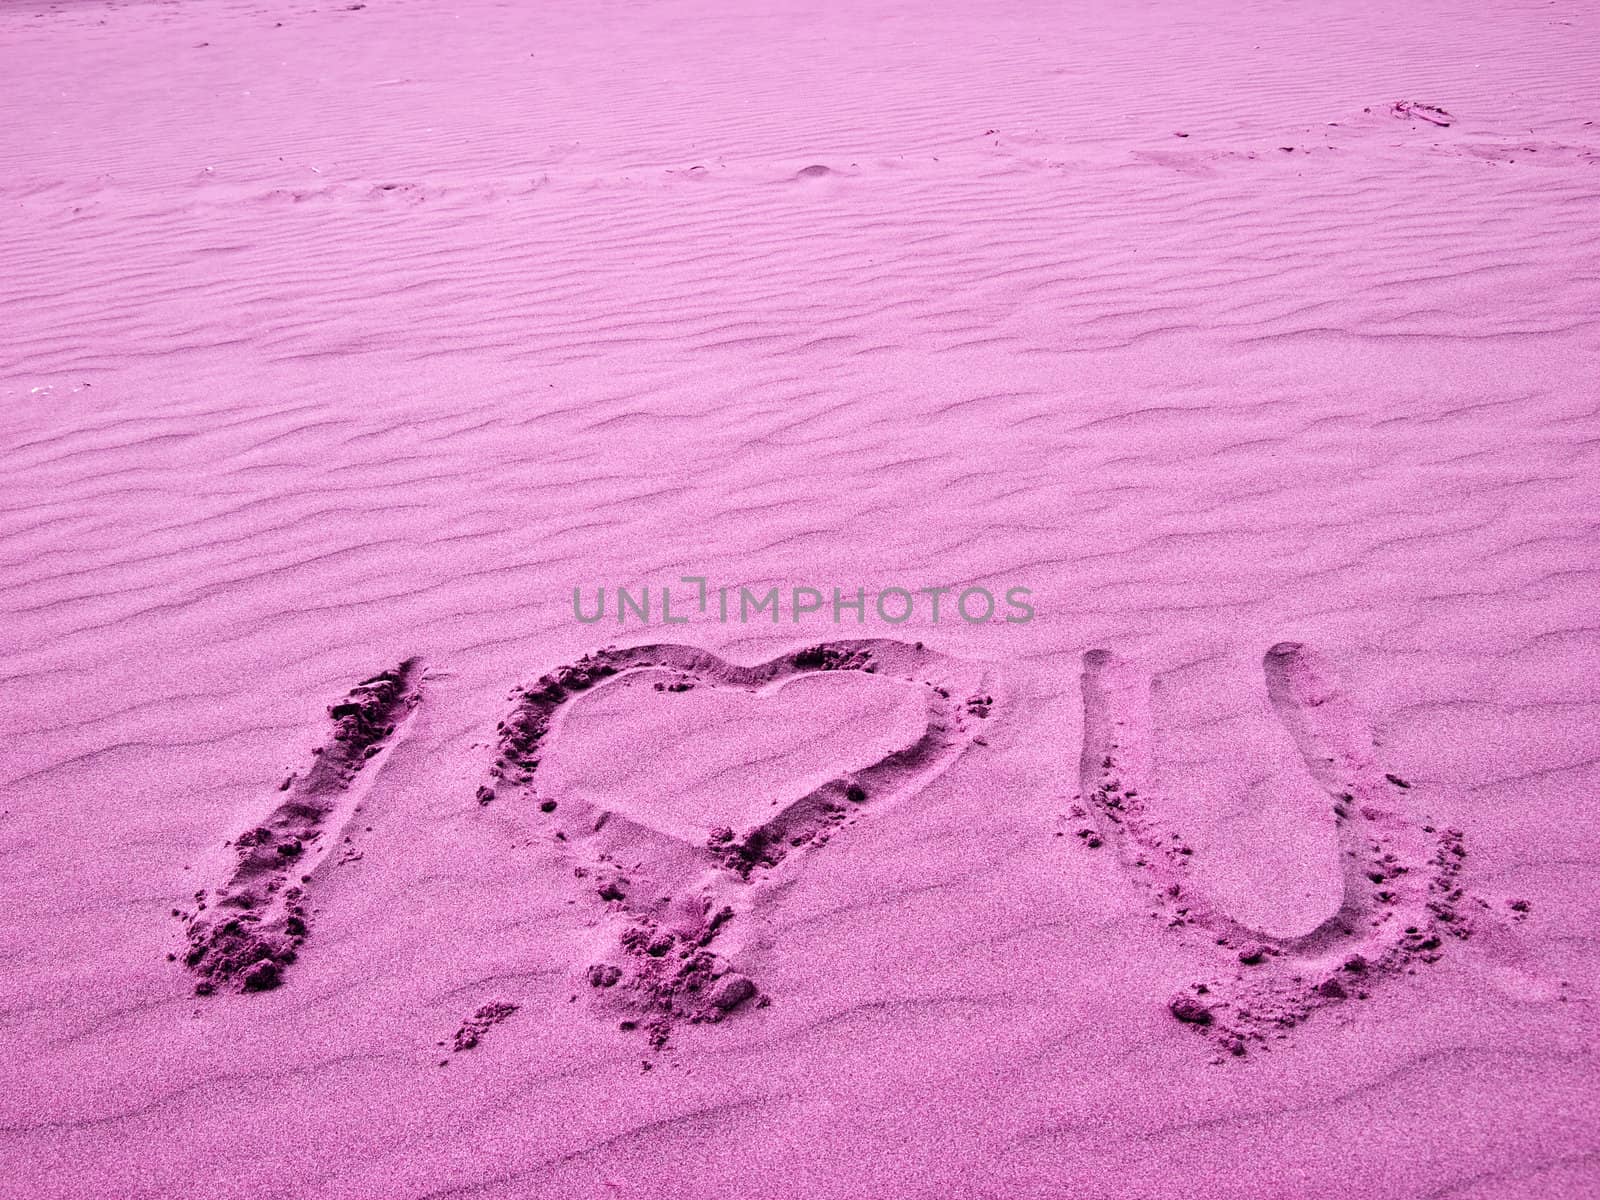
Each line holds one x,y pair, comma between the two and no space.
1259,341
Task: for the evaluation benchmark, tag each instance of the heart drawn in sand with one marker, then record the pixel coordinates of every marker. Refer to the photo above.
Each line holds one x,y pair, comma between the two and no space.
676,781
686,759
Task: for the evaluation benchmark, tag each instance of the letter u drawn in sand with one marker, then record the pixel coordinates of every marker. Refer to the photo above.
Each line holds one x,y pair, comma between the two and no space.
1400,898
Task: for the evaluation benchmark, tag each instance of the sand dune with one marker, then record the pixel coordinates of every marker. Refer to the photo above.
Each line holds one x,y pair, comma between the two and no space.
1256,342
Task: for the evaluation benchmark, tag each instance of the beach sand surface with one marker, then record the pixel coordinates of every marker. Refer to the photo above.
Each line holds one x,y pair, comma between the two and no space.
339,343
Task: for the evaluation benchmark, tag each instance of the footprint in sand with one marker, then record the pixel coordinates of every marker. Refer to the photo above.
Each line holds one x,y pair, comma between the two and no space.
244,933
1400,899
681,785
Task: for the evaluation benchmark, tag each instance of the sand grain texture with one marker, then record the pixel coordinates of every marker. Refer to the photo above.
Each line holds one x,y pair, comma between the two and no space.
1258,340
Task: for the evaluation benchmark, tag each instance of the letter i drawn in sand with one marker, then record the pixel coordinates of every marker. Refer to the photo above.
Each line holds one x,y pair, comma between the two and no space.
244,933
1401,899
